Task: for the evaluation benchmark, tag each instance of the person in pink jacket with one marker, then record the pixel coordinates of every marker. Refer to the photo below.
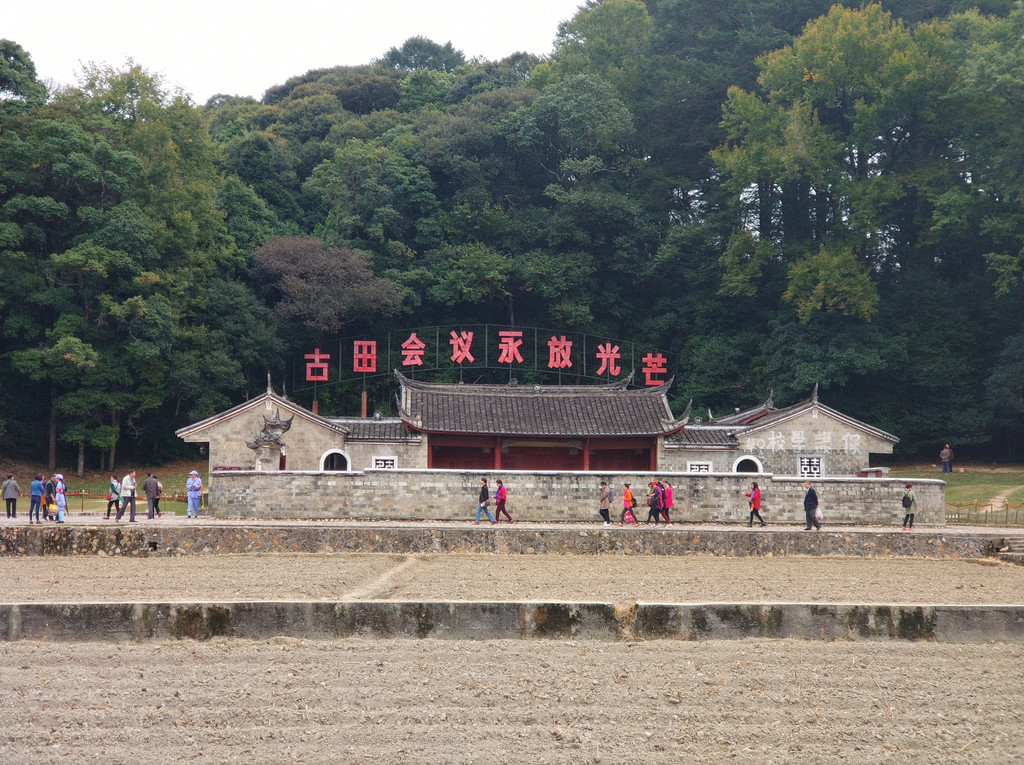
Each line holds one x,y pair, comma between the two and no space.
500,496
755,504
667,502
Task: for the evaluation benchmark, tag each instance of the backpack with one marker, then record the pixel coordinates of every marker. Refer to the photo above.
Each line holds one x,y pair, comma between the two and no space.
632,501
907,501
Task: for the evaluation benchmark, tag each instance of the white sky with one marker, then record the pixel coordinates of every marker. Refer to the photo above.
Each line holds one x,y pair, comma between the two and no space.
242,47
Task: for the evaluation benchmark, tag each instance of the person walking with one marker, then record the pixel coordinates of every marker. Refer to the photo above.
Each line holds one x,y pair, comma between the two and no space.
946,455
755,504
11,490
811,508
500,496
910,506
61,494
628,503
484,498
128,486
667,501
114,495
50,499
194,490
605,503
159,494
150,487
36,492
654,501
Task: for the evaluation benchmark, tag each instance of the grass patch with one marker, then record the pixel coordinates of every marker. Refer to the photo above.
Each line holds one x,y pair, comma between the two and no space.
981,487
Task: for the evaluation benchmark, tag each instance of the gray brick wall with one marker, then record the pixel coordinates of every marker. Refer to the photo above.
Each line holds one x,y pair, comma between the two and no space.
550,496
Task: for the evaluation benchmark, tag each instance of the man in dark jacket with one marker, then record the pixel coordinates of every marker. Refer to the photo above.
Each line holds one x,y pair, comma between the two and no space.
811,507
152,488
485,497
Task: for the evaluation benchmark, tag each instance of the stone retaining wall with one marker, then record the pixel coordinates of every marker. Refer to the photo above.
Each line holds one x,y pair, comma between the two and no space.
119,622
199,539
557,496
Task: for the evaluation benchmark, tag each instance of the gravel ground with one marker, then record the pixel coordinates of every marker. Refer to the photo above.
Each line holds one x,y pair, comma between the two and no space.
429,701
611,578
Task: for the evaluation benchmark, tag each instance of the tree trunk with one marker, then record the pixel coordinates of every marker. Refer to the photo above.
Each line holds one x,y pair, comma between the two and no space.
81,459
53,429
113,447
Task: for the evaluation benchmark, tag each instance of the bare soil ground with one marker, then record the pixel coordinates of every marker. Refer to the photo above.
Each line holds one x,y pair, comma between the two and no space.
611,578
429,701
449,701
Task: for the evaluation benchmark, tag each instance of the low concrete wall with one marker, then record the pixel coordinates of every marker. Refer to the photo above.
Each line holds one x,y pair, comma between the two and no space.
518,539
120,622
557,496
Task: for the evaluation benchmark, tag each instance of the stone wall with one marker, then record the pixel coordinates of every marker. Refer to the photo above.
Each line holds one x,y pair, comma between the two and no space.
556,496
407,454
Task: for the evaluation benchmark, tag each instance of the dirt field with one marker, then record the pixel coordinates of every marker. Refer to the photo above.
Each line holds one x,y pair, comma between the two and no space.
432,701
428,701
611,578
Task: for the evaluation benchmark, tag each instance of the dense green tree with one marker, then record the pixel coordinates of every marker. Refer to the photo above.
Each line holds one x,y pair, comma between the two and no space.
420,53
20,90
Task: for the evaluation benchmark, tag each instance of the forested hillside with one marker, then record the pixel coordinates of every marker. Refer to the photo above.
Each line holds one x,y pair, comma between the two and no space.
779,194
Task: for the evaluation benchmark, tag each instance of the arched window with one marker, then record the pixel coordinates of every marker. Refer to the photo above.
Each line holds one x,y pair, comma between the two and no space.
334,462
747,464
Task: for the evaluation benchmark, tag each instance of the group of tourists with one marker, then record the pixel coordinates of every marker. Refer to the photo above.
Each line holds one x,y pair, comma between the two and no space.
123,494
49,497
660,502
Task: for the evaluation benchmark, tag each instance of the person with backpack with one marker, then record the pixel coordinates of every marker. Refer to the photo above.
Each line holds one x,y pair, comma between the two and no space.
500,497
909,507
628,503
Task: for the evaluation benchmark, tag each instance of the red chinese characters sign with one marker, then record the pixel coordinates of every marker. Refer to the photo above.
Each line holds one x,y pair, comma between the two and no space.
580,355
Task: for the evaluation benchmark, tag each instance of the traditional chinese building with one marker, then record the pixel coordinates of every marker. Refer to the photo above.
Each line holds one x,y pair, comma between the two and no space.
603,428
519,427
270,432
806,439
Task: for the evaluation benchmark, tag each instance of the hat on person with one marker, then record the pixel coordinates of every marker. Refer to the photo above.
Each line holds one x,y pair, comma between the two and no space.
59,477
194,472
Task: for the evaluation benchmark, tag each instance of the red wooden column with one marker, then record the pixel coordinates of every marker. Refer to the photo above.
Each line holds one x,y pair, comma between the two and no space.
497,453
586,454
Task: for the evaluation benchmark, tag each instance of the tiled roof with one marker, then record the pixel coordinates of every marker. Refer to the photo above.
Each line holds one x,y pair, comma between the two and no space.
702,437
269,401
376,429
767,415
561,410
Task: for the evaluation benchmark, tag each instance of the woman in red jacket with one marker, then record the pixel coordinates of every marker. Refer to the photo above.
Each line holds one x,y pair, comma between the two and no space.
755,504
500,496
